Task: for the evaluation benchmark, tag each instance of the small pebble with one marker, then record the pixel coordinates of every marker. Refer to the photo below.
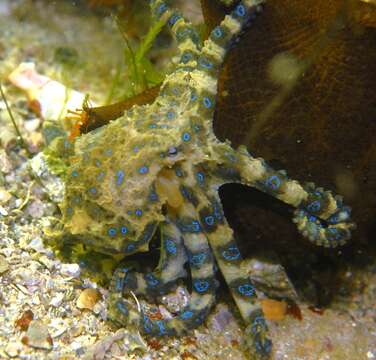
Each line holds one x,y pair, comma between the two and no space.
72,270
37,336
5,196
4,266
88,298
13,349
57,300
273,309
32,124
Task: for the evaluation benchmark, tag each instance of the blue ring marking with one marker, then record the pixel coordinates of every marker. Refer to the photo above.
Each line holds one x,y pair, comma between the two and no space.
207,102
193,96
97,163
170,246
333,232
217,211
314,206
173,19
218,32
111,231
259,321
153,196
93,190
312,218
108,152
201,285
186,315
136,149
230,156
143,169
186,136
138,212
196,128
318,193
152,126
171,115
246,290
122,307
195,226
273,182
119,177
161,9
69,211
151,279
131,247
186,57
197,259
200,177
178,172
240,10
231,253
74,173
206,63
119,283
129,212
161,325
76,199
209,220
147,324
123,229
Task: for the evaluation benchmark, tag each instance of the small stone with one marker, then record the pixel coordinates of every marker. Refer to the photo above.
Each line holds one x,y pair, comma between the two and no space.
35,209
57,300
37,336
37,245
88,298
5,162
220,319
3,212
273,309
72,270
5,196
32,124
4,266
24,320
13,349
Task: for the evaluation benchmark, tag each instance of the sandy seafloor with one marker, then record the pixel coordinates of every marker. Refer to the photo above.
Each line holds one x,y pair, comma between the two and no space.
33,281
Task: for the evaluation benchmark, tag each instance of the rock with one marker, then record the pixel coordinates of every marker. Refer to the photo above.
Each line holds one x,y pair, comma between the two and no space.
220,319
4,266
5,196
72,270
57,300
88,298
24,320
13,349
273,309
37,336
32,124
35,209
98,350
37,245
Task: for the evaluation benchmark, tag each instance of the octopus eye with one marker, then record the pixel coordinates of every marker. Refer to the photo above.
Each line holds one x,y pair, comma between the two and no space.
172,151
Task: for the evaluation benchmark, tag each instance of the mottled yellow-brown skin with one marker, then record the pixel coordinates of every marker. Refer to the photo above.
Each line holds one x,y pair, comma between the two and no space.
161,165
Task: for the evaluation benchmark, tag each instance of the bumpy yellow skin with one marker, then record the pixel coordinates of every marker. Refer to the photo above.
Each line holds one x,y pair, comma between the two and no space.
161,165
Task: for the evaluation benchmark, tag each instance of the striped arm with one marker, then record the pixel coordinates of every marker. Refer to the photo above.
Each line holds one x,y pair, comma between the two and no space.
320,216
229,259
170,268
203,291
183,31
